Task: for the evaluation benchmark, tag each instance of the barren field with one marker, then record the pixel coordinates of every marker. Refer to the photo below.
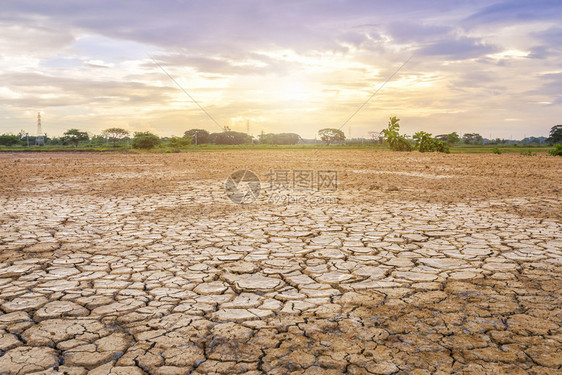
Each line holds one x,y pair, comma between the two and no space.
415,264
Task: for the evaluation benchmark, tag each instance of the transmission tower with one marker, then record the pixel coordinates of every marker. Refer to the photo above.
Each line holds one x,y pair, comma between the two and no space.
40,138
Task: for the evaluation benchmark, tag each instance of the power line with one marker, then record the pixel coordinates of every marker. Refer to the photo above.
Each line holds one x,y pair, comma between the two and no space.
190,97
375,93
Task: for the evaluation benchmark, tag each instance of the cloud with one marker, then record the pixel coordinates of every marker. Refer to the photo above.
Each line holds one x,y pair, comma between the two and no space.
49,91
292,64
407,32
235,64
549,89
516,11
32,38
552,37
540,52
458,49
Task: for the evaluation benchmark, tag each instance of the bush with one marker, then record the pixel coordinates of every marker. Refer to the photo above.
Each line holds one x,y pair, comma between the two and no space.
400,143
425,143
392,136
527,153
179,142
145,140
9,140
497,151
557,150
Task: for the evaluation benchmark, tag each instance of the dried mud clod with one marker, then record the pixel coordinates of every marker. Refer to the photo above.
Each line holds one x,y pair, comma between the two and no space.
140,264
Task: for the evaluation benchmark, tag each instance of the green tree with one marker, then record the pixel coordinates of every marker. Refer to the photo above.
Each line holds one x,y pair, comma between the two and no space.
230,138
286,139
74,136
179,142
330,135
453,138
9,140
145,140
472,139
392,136
55,141
265,138
555,135
557,150
279,139
97,140
115,134
200,136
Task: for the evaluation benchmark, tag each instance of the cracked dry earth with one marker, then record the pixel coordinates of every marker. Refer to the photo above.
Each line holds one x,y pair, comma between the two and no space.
139,264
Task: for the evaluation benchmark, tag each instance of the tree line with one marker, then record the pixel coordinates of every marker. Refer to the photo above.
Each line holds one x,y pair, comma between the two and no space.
119,137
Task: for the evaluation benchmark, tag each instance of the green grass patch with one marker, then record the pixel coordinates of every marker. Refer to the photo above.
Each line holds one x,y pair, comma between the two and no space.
458,149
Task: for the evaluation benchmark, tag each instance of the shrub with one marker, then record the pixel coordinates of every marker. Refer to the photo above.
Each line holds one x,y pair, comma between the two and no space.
497,151
528,153
9,140
179,142
392,136
557,150
145,140
401,144
425,143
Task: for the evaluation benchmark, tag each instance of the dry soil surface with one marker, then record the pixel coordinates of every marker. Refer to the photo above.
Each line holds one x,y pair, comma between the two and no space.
415,264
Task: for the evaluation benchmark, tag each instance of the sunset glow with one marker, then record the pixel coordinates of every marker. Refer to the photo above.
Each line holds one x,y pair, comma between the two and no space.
282,66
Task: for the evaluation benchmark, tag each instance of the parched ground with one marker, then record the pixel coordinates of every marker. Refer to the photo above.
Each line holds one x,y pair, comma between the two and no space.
416,264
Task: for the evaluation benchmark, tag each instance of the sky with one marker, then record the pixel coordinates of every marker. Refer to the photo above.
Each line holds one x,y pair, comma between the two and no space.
494,68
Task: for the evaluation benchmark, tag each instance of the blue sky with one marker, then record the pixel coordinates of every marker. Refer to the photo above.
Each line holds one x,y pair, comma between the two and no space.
282,66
